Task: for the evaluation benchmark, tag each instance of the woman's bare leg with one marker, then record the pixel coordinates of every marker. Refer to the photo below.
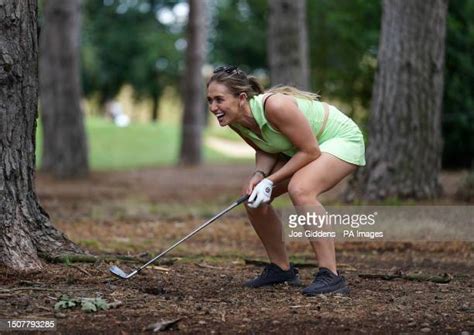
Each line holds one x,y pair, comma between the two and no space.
304,188
268,227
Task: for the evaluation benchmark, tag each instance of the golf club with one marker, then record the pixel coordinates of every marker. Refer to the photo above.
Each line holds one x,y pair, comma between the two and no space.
121,274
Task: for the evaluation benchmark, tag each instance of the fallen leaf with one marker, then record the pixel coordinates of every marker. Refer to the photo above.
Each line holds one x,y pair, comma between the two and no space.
160,268
162,325
115,304
207,266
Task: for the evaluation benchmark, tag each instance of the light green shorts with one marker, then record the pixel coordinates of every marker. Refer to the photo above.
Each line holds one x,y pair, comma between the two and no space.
342,138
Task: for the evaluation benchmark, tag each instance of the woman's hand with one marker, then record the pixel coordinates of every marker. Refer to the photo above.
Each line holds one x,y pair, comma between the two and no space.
261,194
256,178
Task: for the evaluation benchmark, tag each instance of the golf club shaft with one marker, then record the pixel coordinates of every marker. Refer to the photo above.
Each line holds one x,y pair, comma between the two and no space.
204,225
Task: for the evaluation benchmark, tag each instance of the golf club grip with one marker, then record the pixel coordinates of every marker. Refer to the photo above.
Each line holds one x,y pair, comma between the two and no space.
242,199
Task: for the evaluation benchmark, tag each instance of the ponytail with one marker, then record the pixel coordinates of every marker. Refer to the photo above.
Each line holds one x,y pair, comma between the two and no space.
293,91
255,85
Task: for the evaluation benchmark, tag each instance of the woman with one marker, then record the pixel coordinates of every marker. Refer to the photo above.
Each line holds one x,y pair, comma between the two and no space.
303,147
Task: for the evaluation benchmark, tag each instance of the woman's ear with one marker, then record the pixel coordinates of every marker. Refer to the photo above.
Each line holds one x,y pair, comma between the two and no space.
242,98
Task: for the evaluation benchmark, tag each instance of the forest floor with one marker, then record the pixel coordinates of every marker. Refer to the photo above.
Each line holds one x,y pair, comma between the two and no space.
198,287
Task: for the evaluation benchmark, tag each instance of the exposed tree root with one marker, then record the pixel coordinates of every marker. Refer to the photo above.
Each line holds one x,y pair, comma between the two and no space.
86,258
440,279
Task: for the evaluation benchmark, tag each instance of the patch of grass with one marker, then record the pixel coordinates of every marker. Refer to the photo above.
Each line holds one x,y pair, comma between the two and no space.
90,244
138,145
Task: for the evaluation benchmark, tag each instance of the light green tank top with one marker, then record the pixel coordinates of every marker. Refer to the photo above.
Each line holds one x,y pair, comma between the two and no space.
272,141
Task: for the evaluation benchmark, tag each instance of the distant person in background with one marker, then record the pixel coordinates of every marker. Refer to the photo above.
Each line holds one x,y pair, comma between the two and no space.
303,147
115,111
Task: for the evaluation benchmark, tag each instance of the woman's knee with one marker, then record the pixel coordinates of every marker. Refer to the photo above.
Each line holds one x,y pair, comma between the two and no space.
301,193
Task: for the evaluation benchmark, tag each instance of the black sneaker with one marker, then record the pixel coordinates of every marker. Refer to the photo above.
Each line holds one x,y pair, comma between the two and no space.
272,274
326,282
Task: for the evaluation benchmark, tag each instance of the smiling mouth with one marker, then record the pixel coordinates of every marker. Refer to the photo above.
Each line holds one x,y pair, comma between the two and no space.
220,116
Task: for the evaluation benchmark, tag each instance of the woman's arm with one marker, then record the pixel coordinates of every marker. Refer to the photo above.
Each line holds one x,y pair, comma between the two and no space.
283,113
264,161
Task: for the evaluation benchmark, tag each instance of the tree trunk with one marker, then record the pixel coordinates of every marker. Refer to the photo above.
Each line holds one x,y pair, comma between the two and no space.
154,108
192,124
64,139
25,229
288,43
404,146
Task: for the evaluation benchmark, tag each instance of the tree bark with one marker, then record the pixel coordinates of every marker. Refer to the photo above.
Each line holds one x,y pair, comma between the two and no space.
288,43
404,145
64,140
25,229
192,124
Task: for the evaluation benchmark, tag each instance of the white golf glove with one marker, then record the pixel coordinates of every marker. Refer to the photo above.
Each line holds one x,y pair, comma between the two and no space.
262,193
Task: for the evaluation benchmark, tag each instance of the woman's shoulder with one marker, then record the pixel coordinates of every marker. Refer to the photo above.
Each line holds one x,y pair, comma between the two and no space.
275,100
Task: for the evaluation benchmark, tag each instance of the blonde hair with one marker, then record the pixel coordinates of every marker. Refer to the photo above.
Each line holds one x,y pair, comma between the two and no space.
237,81
293,91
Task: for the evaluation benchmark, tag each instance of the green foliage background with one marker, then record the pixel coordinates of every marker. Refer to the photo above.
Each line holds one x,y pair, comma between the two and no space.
132,47
458,102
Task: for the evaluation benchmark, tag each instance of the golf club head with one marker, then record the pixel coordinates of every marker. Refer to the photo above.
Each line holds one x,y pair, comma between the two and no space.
120,273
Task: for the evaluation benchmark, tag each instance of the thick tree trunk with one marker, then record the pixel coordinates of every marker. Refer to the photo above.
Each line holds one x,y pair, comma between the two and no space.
404,146
288,43
192,124
64,145
25,229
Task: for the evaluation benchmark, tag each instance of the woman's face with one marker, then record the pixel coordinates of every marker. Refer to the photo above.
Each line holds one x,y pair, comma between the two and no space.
223,104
